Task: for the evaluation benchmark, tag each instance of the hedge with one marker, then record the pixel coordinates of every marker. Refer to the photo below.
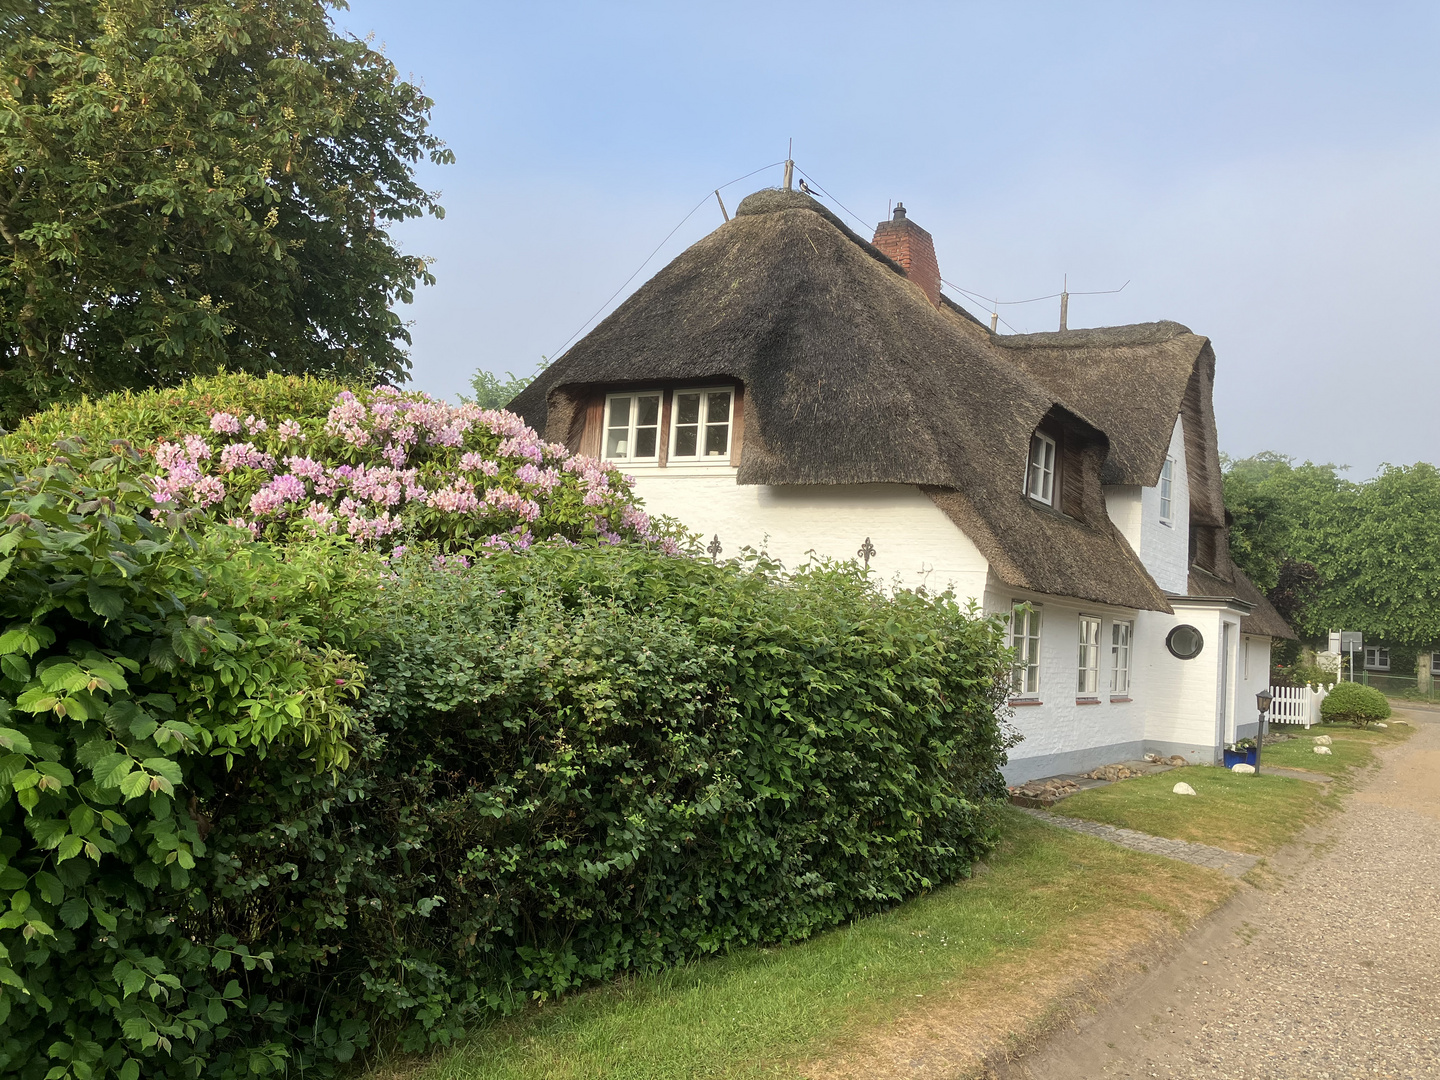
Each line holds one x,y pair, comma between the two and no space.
266,807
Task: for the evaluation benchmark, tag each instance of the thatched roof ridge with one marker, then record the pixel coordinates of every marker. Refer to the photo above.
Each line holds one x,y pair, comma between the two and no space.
1131,381
1263,619
851,376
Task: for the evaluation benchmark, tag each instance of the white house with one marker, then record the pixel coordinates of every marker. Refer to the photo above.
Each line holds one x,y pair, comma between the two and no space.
785,384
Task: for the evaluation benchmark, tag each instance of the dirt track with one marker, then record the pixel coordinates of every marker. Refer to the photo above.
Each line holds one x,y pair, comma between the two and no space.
1334,975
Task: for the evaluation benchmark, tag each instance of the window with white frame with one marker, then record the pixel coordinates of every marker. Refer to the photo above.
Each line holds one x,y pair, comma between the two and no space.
1377,658
1025,640
1088,681
1167,492
1040,475
1435,663
1121,634
632,426
700,424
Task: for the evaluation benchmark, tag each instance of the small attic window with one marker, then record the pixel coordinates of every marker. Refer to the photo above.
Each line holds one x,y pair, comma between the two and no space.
1040,476
632,426
1167,492
701,425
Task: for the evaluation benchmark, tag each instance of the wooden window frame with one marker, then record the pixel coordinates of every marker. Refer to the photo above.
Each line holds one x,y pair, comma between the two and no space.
1167,492
1089,650
1025,638
1377,665
634,396
1040,440
701,426
1121,671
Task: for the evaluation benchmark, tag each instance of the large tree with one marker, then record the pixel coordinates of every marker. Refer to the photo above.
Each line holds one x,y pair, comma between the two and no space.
186,186
1374,545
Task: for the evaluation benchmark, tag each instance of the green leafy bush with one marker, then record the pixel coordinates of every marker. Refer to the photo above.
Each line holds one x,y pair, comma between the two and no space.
137,663
1354,703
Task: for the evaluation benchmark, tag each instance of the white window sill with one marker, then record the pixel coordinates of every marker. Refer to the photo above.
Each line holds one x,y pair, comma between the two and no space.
1021,701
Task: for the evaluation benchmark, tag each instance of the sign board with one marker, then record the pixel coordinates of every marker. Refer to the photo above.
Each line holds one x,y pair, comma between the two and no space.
1351,641
1334,643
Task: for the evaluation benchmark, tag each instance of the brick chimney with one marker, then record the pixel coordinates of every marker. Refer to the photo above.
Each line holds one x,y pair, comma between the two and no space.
911,246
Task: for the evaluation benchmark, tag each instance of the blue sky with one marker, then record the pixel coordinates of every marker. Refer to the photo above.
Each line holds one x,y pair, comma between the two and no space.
1264,173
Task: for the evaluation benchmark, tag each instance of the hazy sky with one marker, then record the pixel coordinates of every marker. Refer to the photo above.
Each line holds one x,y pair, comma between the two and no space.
1264,173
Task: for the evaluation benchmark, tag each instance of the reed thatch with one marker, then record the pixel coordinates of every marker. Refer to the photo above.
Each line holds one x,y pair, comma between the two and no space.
1263,619
852,376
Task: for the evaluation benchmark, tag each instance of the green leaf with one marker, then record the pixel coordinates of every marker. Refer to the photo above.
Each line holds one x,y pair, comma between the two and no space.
134,982
74,912
130,1070
10,739
111,769
69,847
105,602
135,784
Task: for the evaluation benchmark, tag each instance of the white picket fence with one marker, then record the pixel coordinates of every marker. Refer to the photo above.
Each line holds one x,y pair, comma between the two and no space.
1295,705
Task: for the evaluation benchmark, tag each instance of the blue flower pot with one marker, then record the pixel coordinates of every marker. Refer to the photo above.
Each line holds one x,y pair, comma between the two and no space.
1237,757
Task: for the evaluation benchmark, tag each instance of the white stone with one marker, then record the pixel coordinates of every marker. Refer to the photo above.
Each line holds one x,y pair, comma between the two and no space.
1323,750
1323,740
1378,724
1183,788
1242,767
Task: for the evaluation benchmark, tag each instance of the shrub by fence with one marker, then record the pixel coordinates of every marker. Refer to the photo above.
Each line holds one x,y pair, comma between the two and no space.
1353,703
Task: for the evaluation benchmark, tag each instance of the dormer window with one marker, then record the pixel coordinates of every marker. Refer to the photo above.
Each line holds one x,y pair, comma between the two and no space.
700,427
632,426
1167,492
1040,476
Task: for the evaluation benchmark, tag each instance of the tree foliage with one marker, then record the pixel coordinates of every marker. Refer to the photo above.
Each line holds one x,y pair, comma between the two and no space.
185,187
1374,546
490,391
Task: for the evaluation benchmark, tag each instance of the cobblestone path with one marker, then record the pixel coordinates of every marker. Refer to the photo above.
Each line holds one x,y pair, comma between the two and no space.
1231,862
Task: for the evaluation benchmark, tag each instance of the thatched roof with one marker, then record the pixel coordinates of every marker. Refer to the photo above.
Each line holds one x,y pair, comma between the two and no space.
852,376
1130,380
1263,619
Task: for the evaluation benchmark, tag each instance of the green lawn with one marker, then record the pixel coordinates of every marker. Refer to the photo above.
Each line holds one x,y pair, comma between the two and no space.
1352,748
1252,814
764,1011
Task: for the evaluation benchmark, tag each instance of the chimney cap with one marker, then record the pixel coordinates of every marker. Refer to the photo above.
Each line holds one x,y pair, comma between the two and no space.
899,212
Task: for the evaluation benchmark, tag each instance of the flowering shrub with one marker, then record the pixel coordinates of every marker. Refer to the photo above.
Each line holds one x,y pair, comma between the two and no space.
385,467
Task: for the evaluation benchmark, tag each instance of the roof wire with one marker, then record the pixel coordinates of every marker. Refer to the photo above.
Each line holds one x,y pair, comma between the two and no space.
706,198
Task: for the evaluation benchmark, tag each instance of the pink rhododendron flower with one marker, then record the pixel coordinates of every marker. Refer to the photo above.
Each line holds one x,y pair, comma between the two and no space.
289,429
223,423
255,424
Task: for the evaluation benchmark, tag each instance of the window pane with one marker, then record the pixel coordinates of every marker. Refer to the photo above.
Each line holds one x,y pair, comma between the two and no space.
685,439
717,407
647,410
717,439
617,443
620,412
687,408
645,442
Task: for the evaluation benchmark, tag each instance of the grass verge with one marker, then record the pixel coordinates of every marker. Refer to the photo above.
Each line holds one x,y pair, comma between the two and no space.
1352,749
821,1008
1256,815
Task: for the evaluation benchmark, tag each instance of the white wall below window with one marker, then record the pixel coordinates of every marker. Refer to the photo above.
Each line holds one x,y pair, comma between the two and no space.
915,543
1165,548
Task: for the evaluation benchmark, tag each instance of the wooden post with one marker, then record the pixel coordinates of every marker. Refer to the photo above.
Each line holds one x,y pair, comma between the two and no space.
722,204
789,165
1064,302
994,319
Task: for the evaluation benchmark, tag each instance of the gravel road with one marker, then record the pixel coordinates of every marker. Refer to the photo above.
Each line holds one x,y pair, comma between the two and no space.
1333,976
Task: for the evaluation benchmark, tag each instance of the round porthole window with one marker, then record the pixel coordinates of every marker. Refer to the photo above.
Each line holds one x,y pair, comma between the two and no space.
1185,642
